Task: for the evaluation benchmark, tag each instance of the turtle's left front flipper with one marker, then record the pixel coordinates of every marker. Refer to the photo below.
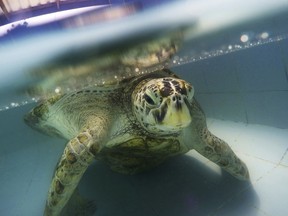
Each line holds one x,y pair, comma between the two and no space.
78,155
212,147
220,153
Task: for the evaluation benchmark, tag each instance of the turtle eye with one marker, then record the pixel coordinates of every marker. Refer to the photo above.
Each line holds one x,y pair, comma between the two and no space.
149,100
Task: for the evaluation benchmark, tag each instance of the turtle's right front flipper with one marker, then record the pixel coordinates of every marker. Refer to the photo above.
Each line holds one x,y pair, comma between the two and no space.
78,155
74,162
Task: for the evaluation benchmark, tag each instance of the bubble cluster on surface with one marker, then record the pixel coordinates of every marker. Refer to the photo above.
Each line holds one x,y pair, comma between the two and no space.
16,104
245,41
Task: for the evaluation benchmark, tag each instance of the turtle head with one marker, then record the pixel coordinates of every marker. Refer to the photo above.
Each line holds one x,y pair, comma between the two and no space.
163,105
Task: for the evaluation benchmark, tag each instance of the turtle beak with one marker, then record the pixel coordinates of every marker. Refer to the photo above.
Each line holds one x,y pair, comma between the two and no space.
174,112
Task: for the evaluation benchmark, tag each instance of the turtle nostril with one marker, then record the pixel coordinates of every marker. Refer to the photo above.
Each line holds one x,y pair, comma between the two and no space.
177,98
178,105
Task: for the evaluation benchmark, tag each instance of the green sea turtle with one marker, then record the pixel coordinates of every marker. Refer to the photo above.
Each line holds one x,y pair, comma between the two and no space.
131,126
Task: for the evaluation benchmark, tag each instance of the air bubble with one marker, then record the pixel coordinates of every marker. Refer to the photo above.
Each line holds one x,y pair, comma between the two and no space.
14,104
57,90
264,35
244,38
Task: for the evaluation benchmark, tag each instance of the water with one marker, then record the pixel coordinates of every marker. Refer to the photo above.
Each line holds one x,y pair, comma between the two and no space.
241,83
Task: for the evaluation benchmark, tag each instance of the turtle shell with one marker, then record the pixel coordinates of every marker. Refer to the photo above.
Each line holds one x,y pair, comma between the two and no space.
73,71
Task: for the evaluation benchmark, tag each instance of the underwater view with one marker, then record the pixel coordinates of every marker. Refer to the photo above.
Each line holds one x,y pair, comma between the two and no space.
144,108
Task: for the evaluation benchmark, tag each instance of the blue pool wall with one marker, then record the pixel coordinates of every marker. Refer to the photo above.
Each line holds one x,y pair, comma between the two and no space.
249,86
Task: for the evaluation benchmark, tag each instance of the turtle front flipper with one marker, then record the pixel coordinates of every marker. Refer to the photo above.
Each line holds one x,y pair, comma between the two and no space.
220,153
212,147
78,155
74,162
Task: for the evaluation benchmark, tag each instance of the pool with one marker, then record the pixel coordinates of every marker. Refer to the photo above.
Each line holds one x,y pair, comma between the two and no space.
243,92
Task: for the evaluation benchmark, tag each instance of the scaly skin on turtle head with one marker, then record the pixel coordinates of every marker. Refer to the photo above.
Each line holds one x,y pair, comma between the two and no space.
163,105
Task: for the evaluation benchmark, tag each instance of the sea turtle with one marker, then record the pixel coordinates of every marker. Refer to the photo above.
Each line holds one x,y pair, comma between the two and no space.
131,126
